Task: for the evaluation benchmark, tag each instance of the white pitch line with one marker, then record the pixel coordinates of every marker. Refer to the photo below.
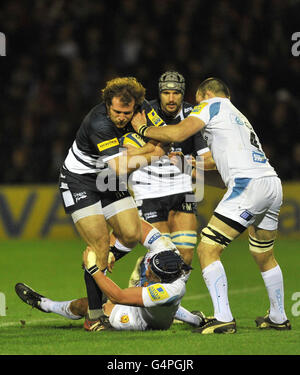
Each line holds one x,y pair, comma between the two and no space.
29,322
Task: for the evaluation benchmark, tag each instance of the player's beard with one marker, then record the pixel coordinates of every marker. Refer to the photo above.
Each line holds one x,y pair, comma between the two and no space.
174,110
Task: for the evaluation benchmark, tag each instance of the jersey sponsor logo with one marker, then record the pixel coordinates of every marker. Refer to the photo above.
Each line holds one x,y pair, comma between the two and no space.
108,144
198,108
124,319
154,118
258,157
157,292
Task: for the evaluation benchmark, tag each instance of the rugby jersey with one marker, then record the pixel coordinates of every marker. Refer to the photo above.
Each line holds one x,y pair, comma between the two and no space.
163,178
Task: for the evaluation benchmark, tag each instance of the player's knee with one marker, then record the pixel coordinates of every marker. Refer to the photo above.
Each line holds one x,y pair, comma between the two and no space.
205,252
131,237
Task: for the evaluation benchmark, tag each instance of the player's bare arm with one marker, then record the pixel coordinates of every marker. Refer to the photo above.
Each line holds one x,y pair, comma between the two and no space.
167,134
134,158
128,296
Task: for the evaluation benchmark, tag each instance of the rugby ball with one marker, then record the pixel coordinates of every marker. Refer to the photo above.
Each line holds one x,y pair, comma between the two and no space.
132,139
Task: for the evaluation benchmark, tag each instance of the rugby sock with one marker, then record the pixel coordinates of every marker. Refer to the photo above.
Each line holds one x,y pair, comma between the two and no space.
60,308
154,241
119,250
184,315
274,283
216,282
94,295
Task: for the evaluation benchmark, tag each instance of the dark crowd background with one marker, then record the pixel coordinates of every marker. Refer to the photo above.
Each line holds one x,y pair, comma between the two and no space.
61,53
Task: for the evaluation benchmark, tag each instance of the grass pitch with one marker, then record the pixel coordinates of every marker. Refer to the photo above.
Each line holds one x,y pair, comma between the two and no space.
53,268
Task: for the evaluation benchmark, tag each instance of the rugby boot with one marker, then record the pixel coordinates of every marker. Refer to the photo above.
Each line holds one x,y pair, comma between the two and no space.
29,296
201,316
264,322
101,324
212,325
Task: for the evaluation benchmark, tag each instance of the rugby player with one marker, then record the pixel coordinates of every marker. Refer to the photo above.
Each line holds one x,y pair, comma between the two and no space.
137,308
91,187
252,201
161,190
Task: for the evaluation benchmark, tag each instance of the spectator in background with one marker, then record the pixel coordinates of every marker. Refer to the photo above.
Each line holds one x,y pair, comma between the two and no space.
60,52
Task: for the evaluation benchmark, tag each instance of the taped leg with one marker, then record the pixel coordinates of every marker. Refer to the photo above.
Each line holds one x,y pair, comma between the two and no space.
185,241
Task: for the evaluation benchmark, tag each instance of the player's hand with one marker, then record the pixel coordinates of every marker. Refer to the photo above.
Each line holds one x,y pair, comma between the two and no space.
176,158
89,259
182,162
138,120
110,262
160,149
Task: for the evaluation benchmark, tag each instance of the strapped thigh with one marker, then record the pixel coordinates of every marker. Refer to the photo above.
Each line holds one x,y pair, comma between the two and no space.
260,246
94,209
185,239
212,236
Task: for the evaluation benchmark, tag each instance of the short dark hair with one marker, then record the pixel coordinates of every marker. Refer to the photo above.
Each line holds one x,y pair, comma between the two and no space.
215,85
125,88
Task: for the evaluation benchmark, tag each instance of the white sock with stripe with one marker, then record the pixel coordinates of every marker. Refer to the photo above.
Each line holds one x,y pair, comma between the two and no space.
274,283
216,281
186,316
60,308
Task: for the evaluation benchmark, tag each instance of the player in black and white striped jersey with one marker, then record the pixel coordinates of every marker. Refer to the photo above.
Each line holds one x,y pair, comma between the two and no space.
93,162
160,190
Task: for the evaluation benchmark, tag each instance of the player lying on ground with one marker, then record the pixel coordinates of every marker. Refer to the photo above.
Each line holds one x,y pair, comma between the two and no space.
136,308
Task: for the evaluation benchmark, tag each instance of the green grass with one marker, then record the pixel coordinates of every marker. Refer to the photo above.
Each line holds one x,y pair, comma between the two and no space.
54,269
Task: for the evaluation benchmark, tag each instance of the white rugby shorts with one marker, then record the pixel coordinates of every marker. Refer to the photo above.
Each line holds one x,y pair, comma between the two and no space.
254,201
127,318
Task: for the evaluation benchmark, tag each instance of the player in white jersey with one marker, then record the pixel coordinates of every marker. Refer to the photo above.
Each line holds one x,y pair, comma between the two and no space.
138,308
252,201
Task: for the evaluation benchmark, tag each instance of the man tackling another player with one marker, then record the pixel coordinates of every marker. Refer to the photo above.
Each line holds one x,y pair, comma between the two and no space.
95,207
252,201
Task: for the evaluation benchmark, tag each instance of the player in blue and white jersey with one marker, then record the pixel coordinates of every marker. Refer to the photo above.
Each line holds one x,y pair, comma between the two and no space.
139,308
252,201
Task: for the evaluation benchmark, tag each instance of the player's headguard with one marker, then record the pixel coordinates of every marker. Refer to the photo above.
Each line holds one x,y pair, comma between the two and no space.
168,266
171,81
